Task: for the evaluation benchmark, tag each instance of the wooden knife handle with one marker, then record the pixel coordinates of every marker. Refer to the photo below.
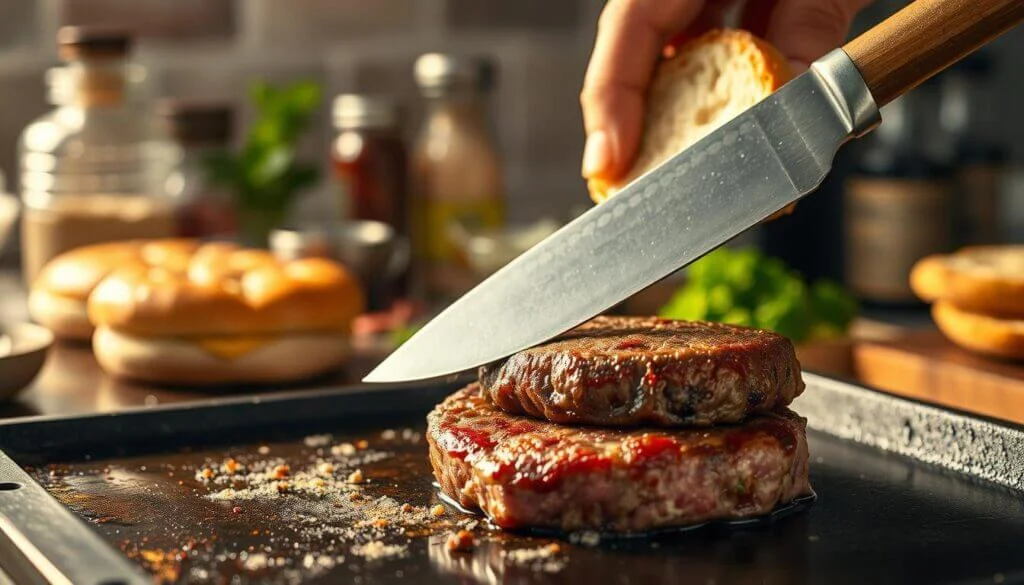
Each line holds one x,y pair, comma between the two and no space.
924,38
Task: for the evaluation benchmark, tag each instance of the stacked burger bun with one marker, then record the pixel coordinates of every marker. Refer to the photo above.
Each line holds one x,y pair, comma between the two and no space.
633,424
977,296
181,312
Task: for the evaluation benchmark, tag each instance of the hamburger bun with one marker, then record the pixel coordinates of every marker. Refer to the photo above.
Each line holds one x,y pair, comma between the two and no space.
180,361
983,334
225,315
987,280
57,297
707,83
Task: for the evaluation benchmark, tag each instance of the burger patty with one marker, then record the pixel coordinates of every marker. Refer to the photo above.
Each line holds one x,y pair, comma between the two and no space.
523,472
627,371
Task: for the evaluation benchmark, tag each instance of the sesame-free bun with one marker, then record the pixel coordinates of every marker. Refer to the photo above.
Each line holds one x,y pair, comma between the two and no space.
225,290
707,83
987,280
983,334
224,315
58,295
182,362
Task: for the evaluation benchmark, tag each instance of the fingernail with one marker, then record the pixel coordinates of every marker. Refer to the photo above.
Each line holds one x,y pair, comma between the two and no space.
596,154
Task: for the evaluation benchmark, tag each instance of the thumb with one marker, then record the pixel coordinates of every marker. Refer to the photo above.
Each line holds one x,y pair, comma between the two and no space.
804,30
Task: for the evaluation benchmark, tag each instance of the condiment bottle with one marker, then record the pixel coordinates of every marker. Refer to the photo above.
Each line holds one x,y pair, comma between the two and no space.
369,160
91,169
200,130
980,162
457,173
898,206
370,165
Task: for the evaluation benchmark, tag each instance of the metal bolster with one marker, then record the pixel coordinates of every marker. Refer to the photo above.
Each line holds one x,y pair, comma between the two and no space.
848,92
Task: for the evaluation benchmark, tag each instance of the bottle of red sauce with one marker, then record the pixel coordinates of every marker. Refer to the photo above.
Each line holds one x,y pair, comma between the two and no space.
369,159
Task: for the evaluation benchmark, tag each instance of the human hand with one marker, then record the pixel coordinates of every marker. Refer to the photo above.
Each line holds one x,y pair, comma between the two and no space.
632,35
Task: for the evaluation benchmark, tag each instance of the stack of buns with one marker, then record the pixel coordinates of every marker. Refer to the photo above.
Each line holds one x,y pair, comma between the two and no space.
977,296
183,312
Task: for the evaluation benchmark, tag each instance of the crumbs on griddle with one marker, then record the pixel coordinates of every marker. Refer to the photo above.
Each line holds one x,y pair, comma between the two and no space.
334,505
376,550
544,558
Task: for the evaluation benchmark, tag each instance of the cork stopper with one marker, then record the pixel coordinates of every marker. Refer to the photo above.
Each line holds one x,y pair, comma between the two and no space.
76,43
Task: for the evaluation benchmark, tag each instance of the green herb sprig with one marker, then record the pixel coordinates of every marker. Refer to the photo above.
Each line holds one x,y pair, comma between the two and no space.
265,174
745,287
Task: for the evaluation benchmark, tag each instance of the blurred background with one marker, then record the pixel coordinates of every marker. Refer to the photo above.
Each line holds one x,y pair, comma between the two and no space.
248,116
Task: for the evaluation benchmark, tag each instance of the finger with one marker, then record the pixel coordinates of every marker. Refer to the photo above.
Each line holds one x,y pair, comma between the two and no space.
630,36
804,30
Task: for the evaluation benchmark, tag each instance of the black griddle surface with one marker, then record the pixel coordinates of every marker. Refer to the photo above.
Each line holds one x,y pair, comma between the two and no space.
879,518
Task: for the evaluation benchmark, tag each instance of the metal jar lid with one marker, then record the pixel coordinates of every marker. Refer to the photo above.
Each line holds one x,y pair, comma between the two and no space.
351,111
93,42
197,122
439,71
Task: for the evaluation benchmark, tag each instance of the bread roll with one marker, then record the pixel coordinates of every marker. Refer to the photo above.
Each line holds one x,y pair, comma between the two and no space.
225,315
57,297
227,290
707,83
980,333
987,280
184,362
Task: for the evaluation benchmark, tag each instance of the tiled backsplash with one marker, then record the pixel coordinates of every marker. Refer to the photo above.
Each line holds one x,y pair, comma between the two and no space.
213,48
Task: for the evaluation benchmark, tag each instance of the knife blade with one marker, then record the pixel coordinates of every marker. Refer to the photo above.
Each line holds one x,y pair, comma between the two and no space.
764,159
769,156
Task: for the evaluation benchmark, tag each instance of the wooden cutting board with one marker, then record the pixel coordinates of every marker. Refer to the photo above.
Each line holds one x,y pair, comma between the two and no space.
925,366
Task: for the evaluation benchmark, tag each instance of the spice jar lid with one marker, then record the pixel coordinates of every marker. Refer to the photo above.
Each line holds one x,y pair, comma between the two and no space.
353,111
93,42
197,122
440,71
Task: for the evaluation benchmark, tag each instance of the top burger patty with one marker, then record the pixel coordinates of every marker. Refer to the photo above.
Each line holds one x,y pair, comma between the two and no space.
627,371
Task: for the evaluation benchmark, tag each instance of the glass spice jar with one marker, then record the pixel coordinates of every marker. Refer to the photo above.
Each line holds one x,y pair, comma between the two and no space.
90,170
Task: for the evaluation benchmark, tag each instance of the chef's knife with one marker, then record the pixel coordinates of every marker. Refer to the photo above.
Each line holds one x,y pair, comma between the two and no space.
766,158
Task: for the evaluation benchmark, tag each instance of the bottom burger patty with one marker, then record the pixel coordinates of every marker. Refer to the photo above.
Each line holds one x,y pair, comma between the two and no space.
523,472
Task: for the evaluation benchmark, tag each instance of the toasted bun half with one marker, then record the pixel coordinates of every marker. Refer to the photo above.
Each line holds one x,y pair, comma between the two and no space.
225,290
180,361
708,82
978,279
57,297
980,333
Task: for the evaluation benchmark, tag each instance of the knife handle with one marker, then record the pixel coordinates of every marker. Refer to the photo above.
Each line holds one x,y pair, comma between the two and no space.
924,38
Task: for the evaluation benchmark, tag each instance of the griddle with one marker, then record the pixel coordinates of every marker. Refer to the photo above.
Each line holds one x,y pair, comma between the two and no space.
906,492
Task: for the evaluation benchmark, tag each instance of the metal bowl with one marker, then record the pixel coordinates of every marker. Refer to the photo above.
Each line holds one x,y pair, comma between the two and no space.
23,351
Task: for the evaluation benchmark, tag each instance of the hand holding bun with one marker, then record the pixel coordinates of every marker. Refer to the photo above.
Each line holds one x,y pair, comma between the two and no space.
224,314
710,81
